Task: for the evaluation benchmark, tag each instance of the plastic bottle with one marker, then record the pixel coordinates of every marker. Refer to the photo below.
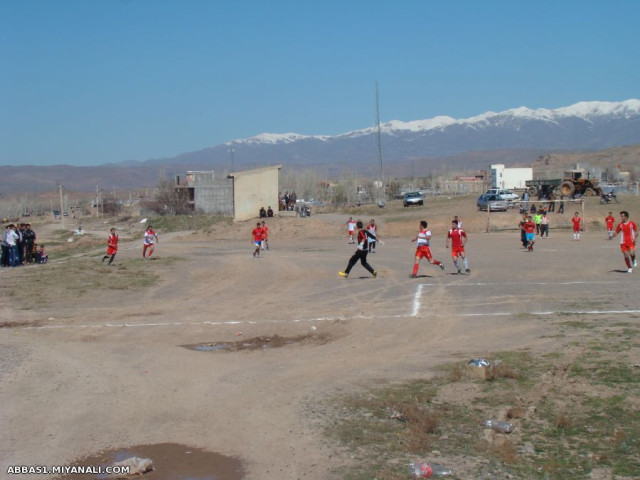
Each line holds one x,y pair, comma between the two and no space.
498,426
427,470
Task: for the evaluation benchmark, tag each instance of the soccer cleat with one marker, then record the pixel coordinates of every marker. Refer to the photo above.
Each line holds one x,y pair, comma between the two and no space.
635,262
375,274
459,272
342,274
468,270
413,276
630,270
441,266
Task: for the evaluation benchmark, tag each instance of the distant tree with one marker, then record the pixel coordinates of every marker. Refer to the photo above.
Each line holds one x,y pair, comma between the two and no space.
168,200
111,206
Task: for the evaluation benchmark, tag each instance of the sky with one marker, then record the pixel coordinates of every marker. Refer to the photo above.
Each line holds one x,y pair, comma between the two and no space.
89,82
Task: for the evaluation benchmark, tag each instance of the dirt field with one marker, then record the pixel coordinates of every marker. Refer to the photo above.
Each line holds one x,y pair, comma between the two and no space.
92,368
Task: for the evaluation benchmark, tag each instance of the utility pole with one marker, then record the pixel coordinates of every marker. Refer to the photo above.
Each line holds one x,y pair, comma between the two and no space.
379,147
61,205
231,151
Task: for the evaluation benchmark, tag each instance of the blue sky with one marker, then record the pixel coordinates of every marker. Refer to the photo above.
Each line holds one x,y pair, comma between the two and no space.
87,82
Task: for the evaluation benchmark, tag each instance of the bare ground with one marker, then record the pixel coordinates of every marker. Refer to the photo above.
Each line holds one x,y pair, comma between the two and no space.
102,369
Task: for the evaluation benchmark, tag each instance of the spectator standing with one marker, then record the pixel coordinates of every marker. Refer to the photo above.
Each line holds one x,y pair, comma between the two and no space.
12,243
544,226
537,218
29,240
4,259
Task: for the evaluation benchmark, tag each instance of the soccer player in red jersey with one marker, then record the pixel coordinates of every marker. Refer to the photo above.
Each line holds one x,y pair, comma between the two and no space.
629,231
149,237
422,249
257,239
361,252
265,236
576,226
112,246
609,222
458,239
530,232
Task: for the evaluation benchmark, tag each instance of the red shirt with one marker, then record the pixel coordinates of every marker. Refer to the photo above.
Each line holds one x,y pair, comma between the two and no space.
576,223
257,234
529,227
265,232
456,237
629,231
112,244
609,222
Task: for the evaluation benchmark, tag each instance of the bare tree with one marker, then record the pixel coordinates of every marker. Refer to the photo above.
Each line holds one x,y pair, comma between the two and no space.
168,199
111,206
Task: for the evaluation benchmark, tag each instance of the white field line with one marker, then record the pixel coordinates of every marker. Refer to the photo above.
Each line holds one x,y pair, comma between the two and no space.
415,312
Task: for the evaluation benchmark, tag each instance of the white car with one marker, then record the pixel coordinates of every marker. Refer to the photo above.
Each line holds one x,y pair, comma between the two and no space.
507,195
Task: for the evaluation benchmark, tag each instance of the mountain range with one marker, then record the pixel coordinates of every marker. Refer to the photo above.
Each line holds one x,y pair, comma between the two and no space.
516,136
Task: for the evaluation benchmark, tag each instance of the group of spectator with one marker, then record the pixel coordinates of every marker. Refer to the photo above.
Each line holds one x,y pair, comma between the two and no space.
550,207
19,246
287,201
266,213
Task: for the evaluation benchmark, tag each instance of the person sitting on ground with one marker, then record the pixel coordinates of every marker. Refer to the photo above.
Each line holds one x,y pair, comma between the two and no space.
263,213
269,212
43,257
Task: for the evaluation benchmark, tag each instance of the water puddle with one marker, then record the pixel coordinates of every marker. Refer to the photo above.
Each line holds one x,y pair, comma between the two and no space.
170,462
260,343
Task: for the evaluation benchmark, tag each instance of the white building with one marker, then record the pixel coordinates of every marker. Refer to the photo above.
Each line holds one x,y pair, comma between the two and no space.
502,177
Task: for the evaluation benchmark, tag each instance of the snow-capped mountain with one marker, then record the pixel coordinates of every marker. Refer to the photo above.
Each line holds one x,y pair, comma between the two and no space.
582,126
516,136
589,112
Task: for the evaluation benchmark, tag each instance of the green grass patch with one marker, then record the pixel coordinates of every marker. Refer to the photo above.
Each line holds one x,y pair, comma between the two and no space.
76,278
583,418
175,223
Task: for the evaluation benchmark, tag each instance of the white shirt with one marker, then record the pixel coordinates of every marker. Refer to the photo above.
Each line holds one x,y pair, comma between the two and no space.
12,238
423,237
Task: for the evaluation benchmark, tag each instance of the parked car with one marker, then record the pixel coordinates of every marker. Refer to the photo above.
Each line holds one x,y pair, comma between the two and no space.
493,201
507,195
412,198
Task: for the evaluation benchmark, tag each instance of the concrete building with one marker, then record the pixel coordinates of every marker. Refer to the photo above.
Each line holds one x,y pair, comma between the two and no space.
253,189
240,195
502,177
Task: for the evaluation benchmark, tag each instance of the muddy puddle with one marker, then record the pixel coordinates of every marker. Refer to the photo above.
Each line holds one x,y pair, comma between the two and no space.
170,462
259,343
